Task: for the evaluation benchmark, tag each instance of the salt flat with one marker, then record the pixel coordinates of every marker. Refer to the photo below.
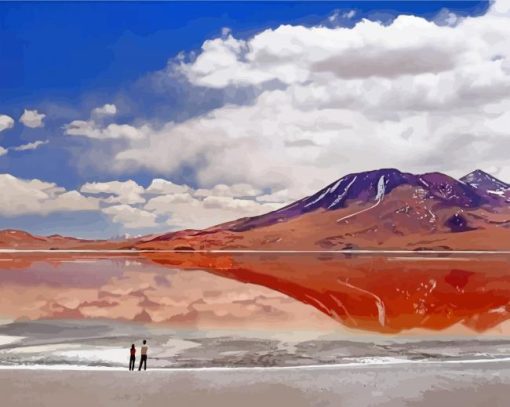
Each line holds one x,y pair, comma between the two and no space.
454,384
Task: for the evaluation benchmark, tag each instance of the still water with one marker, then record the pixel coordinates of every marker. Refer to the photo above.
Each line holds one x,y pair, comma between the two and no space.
252,309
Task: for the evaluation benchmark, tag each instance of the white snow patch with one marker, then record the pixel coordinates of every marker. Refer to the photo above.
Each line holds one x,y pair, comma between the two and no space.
380,189
333,189
319,198
341,196
499,192
379,197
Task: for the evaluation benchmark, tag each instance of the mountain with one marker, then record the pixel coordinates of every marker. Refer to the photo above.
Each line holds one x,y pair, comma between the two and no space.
482,181
373,186
369,210
18,239
381,209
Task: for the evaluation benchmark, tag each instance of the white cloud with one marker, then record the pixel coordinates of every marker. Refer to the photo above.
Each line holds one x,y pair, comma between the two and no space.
105,110
160,186
23,197
337,16
235,190
93,130
349,14
446,17
6,122
410,94
281,196
180,206
32,118
225,202
170,206
296,54
500,7
30,146
117,192
130,217
186,211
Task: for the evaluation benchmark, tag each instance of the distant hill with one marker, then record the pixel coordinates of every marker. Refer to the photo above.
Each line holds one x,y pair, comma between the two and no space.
18,239
381,209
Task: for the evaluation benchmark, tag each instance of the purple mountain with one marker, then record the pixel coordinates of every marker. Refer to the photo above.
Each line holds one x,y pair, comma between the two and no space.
372,186
482,181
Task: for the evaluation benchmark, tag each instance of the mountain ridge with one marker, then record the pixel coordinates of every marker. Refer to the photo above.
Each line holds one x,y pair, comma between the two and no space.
434,205
383,208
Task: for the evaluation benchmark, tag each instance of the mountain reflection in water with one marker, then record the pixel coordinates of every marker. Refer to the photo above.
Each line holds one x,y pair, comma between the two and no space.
386,293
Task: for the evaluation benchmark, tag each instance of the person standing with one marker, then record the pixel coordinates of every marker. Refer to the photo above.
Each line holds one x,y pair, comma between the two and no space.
132,357
143,359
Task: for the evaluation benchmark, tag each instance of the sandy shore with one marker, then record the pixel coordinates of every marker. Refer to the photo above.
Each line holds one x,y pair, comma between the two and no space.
453,384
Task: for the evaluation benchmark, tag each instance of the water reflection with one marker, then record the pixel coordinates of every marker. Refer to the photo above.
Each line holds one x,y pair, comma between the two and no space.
37,286
251,309
385,293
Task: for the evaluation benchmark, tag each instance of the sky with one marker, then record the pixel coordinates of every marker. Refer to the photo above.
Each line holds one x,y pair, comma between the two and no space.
132,118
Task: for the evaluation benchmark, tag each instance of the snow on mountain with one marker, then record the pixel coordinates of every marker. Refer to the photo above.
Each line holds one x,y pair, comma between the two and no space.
485,182
371,187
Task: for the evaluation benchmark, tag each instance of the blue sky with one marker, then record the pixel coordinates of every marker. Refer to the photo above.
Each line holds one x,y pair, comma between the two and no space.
65,59
75,55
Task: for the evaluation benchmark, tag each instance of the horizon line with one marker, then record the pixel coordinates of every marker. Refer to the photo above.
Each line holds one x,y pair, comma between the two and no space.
347,251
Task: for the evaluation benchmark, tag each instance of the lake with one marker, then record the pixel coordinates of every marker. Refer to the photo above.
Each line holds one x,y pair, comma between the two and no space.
252,309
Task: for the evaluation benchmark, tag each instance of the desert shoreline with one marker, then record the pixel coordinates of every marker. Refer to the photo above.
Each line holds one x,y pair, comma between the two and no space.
455,384
391,362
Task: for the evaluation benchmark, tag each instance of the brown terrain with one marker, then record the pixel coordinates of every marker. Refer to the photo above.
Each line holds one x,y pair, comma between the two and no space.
389,226
18,239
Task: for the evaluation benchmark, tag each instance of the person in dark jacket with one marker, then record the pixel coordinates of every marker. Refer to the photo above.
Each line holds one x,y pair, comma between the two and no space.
132,357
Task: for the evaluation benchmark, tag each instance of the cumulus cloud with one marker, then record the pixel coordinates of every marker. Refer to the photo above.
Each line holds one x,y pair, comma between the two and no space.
222,190
30,146
183,210
6,122
95,128
340,17
349,14
166,205
24,197
106,110
411,94
297,54
163,205
161,186
32,118
130,217
446,17
127,192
